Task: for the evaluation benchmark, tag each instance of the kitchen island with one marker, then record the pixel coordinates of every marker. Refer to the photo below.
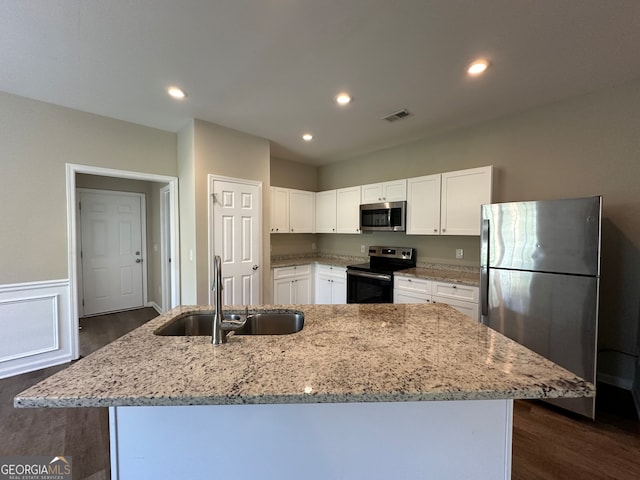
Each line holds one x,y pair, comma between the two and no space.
363,391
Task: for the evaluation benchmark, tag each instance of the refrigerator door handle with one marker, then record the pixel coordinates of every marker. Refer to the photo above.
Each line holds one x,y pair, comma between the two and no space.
484,291
484,270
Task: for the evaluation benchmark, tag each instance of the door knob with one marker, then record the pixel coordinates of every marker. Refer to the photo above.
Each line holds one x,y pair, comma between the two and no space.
138,260
255,267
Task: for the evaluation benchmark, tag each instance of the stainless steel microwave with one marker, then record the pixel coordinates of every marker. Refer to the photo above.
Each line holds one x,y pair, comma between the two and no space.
386,216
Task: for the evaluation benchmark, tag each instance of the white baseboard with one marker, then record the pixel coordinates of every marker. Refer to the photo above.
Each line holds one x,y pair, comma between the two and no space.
36,326
156,307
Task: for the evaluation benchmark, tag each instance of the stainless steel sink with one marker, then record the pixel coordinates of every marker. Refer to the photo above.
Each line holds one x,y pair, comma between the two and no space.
263,322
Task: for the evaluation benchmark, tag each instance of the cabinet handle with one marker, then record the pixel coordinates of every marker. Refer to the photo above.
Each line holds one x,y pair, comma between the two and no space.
453,286
444,229
435,230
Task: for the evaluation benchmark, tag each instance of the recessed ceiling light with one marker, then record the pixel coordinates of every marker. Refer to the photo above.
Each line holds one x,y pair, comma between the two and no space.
478,67
176,92
307,137
343,98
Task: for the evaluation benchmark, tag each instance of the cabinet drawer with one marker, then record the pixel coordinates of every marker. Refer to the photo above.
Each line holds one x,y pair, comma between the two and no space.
331,271
468,308
406,296
412,284
284,272
455,291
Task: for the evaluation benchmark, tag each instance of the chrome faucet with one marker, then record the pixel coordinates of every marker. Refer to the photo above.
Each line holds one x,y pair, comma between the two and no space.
221,328
218,336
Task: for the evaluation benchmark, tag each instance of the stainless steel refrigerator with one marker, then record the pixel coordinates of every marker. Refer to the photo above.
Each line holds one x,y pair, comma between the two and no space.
540,274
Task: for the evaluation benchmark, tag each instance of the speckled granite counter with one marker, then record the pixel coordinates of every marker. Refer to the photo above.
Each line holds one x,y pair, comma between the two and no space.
345,353
336,261
440,273
469,277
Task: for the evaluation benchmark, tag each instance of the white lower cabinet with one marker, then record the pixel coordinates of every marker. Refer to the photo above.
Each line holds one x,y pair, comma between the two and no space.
411,290
463,298
331,285
293,285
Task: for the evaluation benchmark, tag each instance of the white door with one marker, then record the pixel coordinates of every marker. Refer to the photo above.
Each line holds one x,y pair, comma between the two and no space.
111,252
236,239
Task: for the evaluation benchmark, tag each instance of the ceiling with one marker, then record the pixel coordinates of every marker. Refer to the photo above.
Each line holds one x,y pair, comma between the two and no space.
272,68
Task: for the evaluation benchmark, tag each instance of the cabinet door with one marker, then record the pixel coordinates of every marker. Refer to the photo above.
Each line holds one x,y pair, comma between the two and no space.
326,212
323,290
301,211
348,210
302,290
279,210
371,193
423,205
282,292
468,308
463,192
395,191
339,290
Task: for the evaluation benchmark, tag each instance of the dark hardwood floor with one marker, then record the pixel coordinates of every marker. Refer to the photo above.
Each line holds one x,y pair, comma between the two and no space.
547,443
82,433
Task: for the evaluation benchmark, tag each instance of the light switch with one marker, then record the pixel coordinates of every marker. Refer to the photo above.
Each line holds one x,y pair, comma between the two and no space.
459,253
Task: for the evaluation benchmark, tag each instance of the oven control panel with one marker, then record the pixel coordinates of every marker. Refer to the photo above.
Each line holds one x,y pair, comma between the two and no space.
404,253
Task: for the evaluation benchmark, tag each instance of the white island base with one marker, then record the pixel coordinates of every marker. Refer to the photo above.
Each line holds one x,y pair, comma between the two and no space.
321,441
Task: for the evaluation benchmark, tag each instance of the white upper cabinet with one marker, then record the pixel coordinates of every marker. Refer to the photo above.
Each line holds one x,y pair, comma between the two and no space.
348,210
301,211
423,205
394,191
279,210
463,192
292,211
326,212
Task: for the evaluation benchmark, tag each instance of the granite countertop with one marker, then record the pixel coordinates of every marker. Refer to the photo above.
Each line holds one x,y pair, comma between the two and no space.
336,261
467,276
344,353
437,272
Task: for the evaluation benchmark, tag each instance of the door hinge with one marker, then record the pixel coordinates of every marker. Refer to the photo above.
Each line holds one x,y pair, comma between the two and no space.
83,302
81,257
79,205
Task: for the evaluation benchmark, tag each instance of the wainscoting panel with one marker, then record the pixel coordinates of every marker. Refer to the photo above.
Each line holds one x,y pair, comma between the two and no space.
36,326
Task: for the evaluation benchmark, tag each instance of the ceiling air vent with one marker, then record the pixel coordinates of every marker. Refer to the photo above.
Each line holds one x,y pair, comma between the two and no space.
392,117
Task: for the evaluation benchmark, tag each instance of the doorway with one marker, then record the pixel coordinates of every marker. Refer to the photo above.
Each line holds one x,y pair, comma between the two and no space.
72,170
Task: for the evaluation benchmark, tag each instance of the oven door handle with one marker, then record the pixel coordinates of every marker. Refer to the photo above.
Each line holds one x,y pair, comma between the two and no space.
375,276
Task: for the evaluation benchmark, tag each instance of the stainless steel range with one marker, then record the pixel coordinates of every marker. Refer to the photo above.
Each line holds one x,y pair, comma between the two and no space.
373,282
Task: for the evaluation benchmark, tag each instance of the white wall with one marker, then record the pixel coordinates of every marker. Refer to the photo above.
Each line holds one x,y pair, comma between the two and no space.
36,141
206,148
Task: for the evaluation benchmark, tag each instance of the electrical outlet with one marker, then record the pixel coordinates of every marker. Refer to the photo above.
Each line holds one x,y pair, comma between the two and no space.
362,247
459,253
313,245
